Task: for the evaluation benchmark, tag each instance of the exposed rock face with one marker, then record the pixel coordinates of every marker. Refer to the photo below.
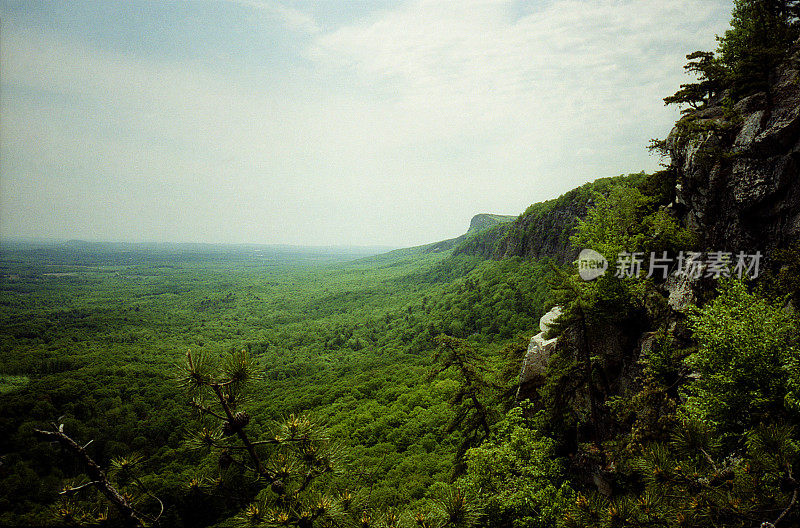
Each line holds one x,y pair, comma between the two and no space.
682,291
479,223
483,221
545,236
534,365
738,184
541,232
607,340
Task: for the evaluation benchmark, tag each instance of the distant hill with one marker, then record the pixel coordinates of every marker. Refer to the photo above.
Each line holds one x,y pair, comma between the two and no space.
543,230
479,223
483,221
84,253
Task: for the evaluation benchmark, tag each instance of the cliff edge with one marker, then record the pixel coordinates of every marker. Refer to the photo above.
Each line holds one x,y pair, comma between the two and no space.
737,166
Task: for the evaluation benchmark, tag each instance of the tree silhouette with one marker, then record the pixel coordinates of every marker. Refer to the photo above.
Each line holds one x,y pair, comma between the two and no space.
472,414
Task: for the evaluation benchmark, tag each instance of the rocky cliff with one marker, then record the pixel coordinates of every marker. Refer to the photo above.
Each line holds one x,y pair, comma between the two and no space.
543,230
545,234
483,221
737,166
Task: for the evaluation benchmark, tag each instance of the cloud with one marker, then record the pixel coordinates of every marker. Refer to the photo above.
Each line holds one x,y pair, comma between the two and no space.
108,145
538,100
577,61
480,63
291,18
394,129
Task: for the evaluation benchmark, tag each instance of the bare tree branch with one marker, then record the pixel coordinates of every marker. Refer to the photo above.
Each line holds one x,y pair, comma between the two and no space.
132,516
70,490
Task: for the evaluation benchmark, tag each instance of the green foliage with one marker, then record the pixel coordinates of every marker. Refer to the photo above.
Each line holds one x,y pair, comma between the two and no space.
553,221
578,373
710,73
484,244
663,360
517,476
289,463
93,334
627,220
584,193
745,361
614,225
472,414
727,455
92,338
782,280
691,480
759,38
12,383
455,509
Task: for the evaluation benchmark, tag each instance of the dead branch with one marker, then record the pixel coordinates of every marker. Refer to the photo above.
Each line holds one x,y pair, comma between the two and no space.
132,516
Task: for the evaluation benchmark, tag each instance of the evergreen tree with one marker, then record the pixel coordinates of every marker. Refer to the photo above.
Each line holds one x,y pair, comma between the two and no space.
710,74
472,413
81,502
760,35
288,464
759,38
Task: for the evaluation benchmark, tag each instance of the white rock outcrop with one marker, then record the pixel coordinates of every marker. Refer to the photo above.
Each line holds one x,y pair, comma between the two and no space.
539,349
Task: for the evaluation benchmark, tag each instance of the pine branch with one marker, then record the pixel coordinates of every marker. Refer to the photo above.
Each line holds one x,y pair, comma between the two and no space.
132,516
787,510
709,459
151,494
257,442
202,408
239,431
791,503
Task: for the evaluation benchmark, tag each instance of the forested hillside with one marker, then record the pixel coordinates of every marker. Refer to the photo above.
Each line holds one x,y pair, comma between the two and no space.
92,337
256,386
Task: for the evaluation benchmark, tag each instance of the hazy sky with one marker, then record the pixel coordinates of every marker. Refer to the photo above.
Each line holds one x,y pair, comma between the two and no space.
325,123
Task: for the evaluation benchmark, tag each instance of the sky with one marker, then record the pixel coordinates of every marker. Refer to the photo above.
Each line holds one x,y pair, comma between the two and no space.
325,122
